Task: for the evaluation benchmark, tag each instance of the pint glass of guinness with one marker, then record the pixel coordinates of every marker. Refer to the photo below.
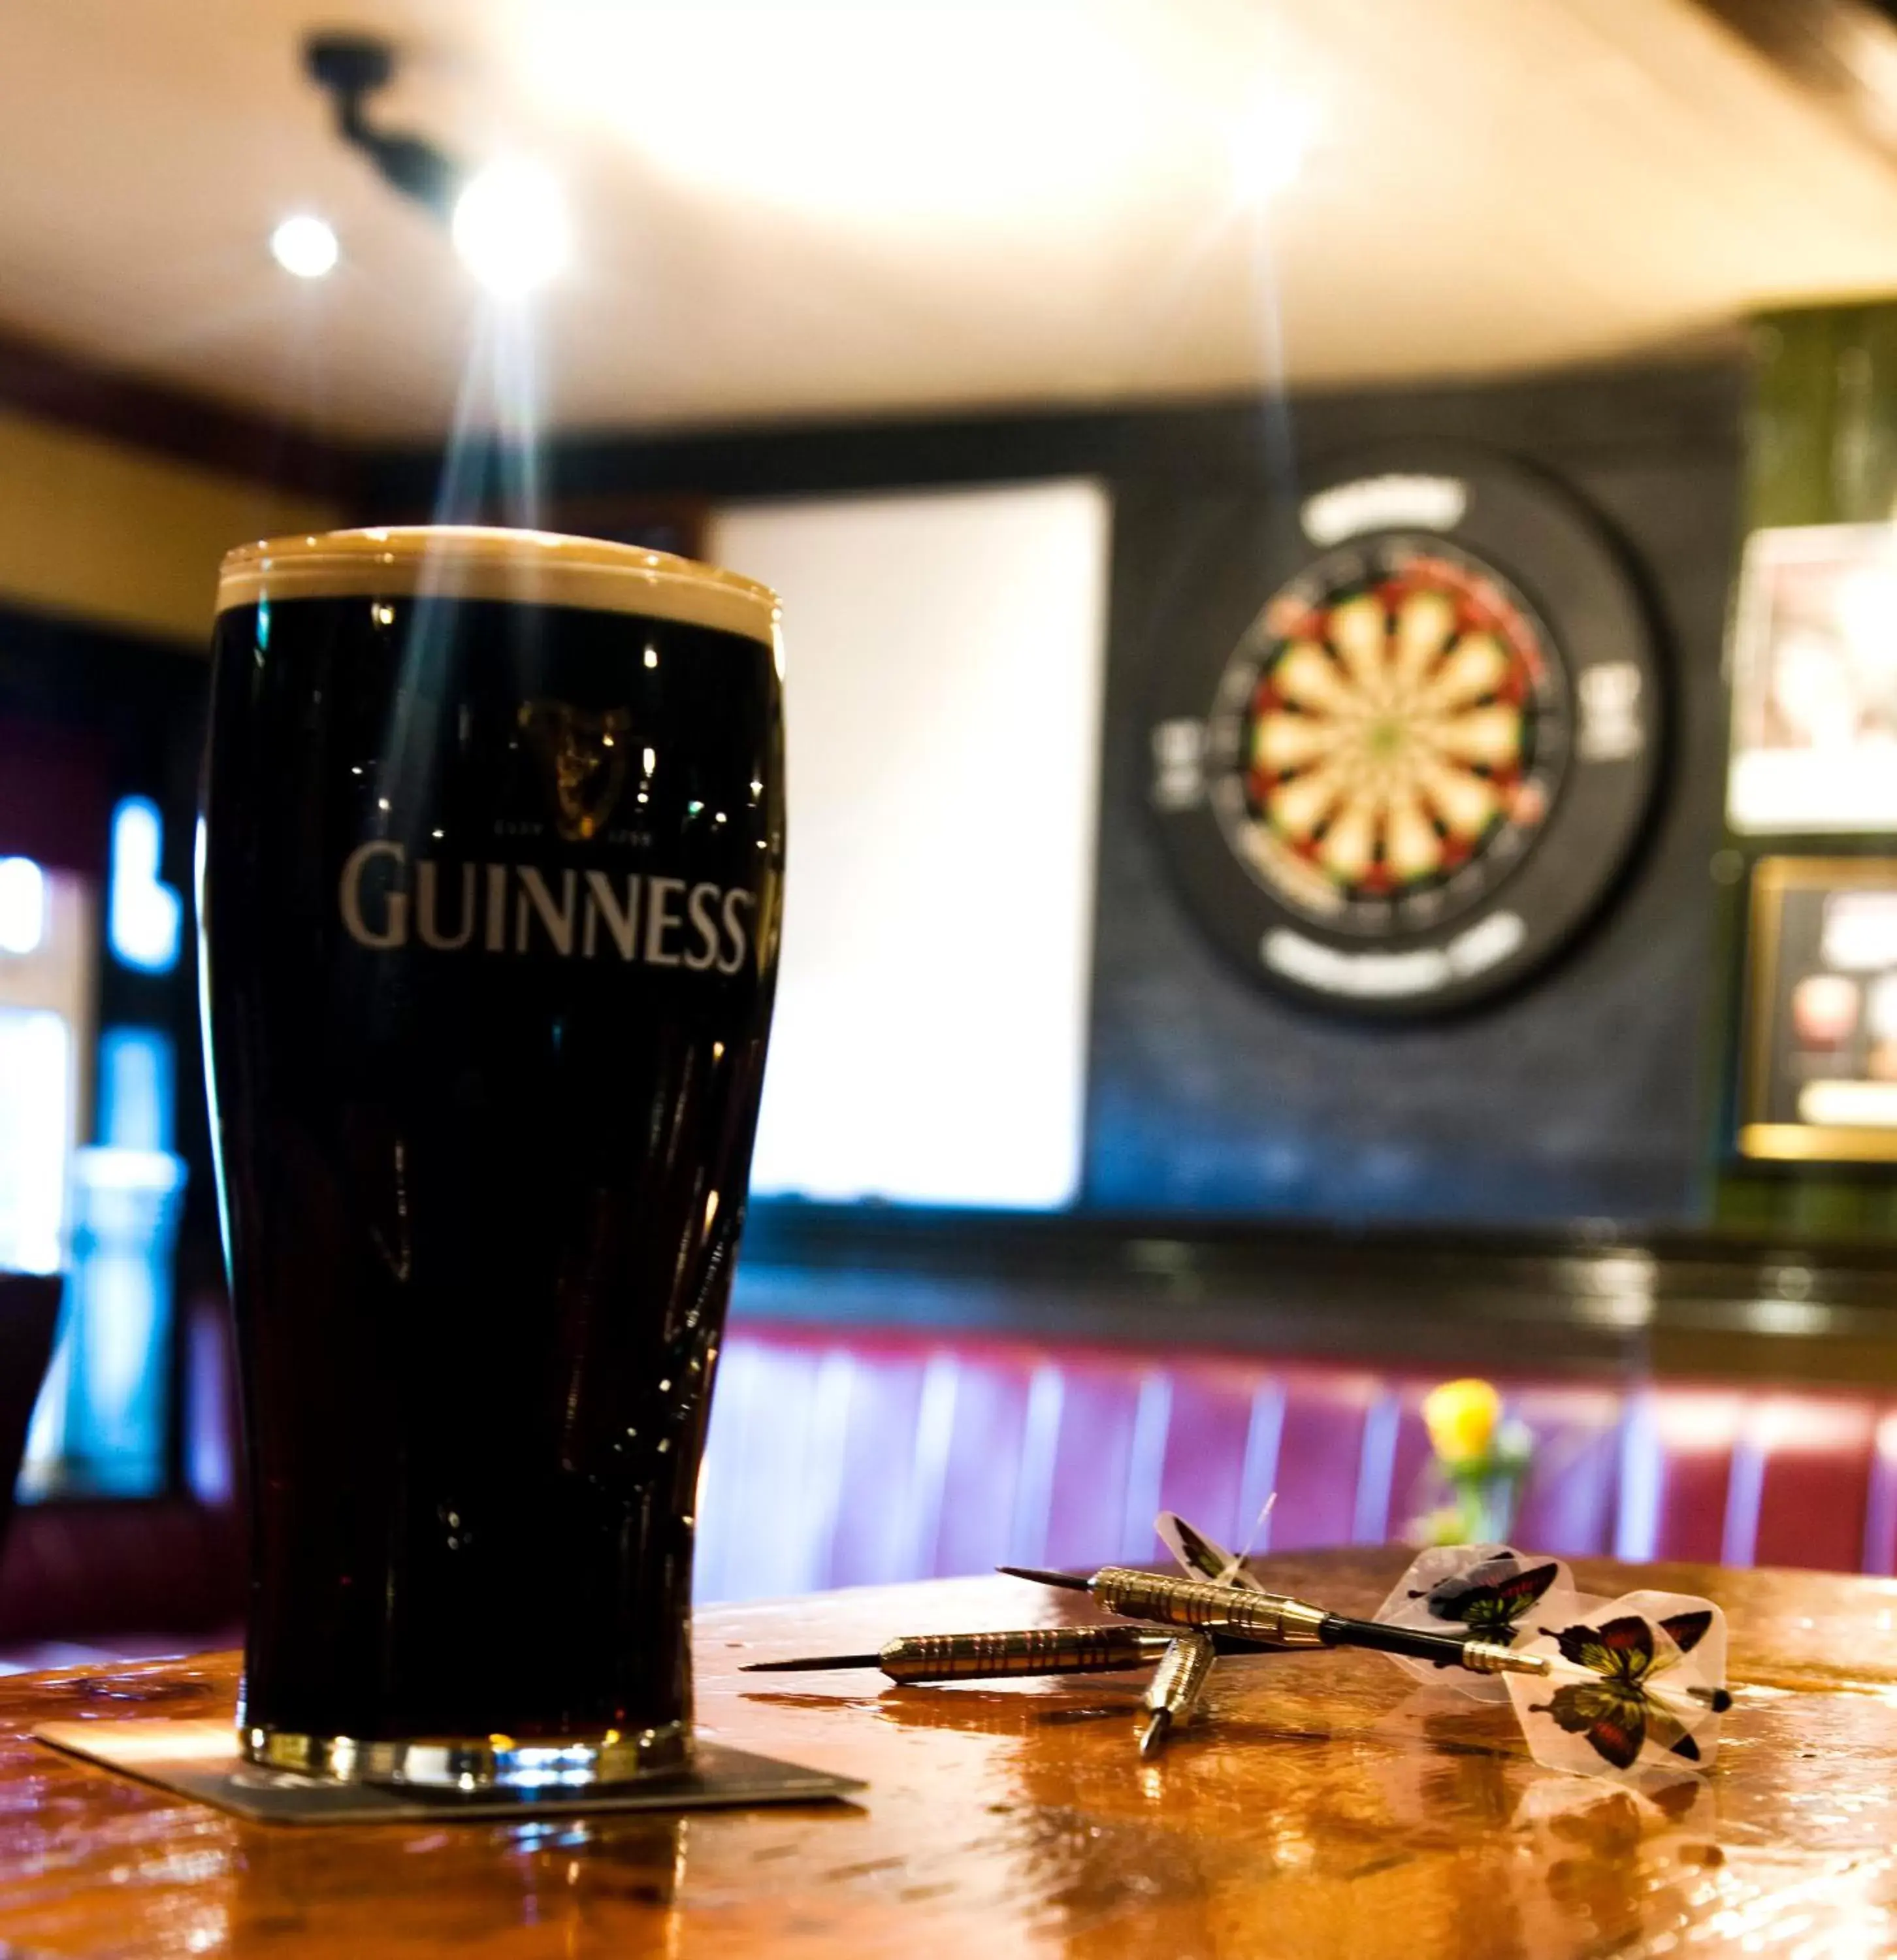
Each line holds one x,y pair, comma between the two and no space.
491,874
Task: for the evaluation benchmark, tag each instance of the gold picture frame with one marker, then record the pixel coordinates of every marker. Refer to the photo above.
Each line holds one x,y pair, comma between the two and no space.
1760,1137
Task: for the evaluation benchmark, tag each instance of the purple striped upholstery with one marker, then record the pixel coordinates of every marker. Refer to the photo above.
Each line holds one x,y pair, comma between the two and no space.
854,1458
848,1458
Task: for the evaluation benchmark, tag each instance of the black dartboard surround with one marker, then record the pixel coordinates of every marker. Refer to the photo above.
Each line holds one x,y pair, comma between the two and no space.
1426,760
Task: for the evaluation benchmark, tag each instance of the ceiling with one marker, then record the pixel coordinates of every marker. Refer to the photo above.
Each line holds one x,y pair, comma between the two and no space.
794,211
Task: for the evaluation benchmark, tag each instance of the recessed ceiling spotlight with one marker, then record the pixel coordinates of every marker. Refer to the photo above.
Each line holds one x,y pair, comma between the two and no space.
510,227
508,219
305,246
1271,144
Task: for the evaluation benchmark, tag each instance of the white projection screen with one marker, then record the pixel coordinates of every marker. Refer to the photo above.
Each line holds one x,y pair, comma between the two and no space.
943,657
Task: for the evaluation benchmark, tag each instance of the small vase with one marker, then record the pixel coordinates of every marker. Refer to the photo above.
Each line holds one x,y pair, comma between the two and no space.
1487,1495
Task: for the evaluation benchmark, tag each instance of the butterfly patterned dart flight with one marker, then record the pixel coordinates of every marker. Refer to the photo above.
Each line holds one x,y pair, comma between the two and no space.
1639,1681
1645,1688
1202,1558
1482,1593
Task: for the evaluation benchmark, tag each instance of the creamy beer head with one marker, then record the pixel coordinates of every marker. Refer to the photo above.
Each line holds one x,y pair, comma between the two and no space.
475,561
493,874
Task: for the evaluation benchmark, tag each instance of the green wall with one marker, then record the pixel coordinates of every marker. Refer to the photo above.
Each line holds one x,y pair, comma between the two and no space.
1821,448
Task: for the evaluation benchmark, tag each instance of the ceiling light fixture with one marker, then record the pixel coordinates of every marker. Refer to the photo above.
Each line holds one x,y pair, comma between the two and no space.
1270,144
509,226
508,219
349,68
305,246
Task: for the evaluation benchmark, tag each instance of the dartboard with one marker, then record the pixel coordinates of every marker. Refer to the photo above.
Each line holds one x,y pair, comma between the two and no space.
1425,759
1391,736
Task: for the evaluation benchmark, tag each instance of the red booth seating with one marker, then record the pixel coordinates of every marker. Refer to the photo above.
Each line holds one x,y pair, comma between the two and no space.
112,1579
842,1457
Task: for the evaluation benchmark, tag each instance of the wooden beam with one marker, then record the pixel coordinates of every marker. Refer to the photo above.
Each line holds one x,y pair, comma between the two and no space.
52,387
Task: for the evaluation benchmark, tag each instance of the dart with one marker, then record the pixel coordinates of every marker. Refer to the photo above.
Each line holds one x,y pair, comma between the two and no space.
1636,1684
1173,1692
931,1658
1273,1620
1642,1678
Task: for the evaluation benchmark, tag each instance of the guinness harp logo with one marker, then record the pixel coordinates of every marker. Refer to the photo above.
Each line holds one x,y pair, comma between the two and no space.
584,753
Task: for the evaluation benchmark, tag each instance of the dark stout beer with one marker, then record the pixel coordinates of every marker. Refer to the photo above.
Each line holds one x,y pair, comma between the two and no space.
492,869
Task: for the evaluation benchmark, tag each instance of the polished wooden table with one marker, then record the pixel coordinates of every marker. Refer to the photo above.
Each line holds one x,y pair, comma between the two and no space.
1325,1809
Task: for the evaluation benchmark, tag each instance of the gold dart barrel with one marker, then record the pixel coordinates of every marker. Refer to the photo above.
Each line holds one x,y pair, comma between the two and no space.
1270,1619
1173,1692
930,1657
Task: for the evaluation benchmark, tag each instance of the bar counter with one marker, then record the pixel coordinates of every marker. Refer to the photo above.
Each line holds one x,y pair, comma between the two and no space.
1321,1807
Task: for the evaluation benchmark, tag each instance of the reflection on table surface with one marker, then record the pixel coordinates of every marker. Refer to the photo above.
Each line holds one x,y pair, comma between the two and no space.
1324,1806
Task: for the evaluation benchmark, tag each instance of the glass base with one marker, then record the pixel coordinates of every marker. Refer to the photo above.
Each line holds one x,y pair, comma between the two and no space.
475,1762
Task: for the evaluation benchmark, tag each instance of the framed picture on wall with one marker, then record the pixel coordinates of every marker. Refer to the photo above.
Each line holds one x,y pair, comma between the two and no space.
1814,737
1819,1071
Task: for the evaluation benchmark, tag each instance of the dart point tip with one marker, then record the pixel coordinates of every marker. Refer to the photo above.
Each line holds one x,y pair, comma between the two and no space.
1035,1576
815,1664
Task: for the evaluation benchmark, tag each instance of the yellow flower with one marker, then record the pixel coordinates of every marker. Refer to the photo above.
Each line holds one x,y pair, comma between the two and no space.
1462,1417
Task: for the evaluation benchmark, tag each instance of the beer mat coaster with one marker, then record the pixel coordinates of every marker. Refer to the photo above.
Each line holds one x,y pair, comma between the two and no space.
199,1760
